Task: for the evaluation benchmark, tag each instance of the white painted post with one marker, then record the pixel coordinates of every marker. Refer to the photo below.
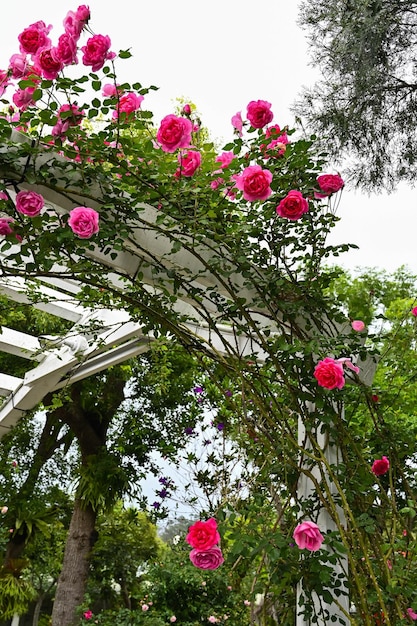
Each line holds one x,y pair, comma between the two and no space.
15,620
326,613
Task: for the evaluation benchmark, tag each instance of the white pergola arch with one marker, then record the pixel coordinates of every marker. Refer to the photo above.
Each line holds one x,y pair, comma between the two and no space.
102,337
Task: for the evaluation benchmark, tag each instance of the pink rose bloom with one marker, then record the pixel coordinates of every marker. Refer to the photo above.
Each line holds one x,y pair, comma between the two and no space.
83,13
329,184
186,109
174,132
88,614
172,619
212,619
128,103
414,311
3,195
4,81
203,535
380,466
75,22
22,98
189,161
145,607
259,113
237,123
215,184
210,558
29,203
83,222
329,374
19,65
34,38
358,325
307,535
109,90
5,226
97,51
293,206
48,63
279,141
254,182
66,50
68,115
225,158
411,614
4,510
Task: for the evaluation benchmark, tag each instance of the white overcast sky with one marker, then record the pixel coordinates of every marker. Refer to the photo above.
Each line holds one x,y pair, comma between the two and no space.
221,54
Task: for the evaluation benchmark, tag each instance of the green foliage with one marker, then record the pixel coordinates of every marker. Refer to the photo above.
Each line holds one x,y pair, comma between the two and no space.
364,105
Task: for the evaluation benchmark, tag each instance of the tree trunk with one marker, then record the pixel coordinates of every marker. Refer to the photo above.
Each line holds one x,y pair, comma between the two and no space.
37,611
71,583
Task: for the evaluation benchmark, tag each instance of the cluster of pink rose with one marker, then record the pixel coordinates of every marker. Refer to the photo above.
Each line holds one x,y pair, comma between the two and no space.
204,538
83,221
175,133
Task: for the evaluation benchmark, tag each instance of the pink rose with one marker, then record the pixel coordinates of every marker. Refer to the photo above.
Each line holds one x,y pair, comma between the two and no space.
88,614
328,183
22,98
254,182
189,161
97,51
19,65
4,510
66,50
414,311
109,90
237,123
307,535
203,535
279,141
145,607
48,63
225,158
4,81
329,374
29,203
411,614
293,206
68,115
380,466
358,325
75,22
215,184
174,132
172,619
34,37
83,222
259,113
128,103
186,109
211,558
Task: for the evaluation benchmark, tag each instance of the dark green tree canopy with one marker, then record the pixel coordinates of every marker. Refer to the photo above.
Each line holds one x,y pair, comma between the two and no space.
364,106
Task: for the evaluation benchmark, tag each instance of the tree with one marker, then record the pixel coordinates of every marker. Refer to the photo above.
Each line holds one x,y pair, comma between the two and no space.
364,106
126,542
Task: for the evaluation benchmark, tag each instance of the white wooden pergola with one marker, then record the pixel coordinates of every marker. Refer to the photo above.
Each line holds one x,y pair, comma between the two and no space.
101,337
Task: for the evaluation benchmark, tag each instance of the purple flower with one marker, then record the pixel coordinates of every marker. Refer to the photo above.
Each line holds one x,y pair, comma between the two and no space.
189,430
206,442
198,390
228,393
163,480
162,494
156,505
220,426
